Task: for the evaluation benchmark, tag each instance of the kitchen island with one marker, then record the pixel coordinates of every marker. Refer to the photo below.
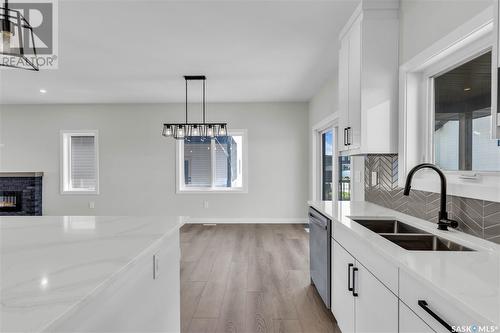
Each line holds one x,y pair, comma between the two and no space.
89,273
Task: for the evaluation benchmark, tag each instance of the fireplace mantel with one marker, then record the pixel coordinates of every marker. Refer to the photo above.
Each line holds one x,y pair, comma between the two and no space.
21,174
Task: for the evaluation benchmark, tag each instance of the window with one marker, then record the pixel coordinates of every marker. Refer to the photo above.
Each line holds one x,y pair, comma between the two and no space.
344,178
326,164
79,162
462,118
216,165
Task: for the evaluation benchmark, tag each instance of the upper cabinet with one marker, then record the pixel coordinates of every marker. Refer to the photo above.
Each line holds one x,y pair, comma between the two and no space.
368,80
495,95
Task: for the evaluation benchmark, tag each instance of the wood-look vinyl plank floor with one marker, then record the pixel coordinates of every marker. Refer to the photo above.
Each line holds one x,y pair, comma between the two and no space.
251,278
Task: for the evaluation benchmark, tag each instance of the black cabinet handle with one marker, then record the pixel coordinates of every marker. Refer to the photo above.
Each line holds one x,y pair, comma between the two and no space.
349,288
354,292
345,136
348,138
423,304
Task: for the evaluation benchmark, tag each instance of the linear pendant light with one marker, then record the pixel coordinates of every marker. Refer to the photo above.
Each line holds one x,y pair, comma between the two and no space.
15,33
180,131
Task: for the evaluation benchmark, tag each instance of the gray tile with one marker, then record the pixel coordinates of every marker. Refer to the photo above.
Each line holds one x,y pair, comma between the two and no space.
492,233
416,204
469,214
491,211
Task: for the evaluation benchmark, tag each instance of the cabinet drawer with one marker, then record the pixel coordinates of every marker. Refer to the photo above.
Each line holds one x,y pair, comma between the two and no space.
382,268
433,307
409,322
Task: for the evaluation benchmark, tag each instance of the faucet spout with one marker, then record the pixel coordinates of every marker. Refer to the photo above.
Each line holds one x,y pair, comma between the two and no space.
443,221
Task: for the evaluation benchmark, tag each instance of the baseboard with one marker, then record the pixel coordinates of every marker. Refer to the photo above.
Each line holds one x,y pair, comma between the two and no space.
252,220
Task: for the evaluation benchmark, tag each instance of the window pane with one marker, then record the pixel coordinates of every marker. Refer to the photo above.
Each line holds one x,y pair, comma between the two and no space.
228,161
326,167
462,122
197,162
344,178
83,163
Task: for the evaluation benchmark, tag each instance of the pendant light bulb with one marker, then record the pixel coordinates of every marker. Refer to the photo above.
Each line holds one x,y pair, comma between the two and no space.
5,45
180,132
196,131
210,131
222,130
167,131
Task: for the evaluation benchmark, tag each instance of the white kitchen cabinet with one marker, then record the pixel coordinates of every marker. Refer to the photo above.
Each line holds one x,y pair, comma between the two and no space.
368,79
343,93
376,307
360,302
342,299
409,322
495,97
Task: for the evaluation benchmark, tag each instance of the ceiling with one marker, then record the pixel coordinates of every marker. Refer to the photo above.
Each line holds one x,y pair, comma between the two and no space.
137,51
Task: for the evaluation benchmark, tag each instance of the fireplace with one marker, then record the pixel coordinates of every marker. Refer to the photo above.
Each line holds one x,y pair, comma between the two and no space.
11,201
21,193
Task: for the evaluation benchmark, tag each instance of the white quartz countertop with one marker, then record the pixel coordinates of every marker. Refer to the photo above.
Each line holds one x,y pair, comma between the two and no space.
471,279
49,264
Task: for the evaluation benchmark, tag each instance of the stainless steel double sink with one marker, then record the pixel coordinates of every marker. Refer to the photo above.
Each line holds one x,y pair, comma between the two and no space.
409,237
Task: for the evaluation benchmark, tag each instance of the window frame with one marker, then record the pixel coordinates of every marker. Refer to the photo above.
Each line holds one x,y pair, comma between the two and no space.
416,136
180,188
328,123
65,167
321,156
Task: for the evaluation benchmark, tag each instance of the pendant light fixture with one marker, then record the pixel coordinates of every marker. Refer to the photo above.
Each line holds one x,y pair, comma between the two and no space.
15,34
180,131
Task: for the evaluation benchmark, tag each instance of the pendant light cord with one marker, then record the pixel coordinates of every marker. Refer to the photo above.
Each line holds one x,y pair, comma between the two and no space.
186,101
203,101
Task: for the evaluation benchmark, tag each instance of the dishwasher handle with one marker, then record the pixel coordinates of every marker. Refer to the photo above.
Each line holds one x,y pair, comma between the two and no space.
319,223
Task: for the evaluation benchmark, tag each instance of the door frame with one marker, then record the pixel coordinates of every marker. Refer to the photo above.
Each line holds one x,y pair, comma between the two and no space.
329,122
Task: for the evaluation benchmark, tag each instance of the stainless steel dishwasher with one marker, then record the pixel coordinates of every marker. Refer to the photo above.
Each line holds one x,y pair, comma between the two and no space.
320,244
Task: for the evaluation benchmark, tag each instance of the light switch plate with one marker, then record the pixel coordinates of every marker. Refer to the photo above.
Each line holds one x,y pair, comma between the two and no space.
374,178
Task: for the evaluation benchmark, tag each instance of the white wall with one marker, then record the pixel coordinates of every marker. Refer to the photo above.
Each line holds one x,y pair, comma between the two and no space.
423,22
323,104
137,165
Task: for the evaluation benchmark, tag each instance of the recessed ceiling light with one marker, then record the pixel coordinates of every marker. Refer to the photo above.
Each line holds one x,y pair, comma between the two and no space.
43,91
467,89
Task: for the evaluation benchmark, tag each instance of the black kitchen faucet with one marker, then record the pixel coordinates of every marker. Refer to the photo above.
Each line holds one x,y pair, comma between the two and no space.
443,221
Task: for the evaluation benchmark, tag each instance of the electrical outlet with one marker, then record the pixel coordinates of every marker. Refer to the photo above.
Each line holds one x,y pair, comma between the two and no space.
205,204
91,204
374,178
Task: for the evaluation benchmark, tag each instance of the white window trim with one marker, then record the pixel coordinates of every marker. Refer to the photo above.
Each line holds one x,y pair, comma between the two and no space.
416,146
64,172
329,122
179,163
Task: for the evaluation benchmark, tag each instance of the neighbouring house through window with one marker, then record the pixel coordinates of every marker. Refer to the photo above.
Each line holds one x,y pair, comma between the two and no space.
212,164
462,118
326,164
344,178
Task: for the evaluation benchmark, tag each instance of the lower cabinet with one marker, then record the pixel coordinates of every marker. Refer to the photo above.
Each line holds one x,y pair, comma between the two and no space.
342,299
361,303
409,322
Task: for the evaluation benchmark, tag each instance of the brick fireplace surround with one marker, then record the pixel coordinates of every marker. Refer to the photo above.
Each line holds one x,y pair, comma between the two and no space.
27,186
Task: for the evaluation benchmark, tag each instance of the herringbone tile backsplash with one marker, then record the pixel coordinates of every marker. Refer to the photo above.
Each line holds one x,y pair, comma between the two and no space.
477,217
